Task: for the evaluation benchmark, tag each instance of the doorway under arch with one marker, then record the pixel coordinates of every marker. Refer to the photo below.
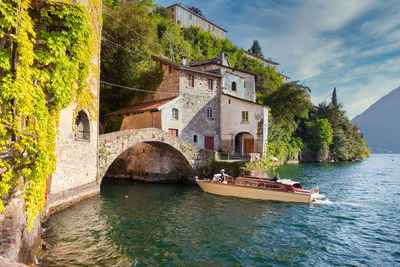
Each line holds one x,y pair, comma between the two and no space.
244,144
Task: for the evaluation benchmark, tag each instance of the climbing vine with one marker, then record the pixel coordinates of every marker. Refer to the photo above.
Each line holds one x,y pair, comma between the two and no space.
45,54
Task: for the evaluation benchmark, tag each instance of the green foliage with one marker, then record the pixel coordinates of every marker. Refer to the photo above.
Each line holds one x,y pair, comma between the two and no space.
129,41
288,102
344,142
266,165
174,44
46,79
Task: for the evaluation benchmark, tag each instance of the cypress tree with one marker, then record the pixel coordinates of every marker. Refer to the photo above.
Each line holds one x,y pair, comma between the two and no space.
256,49
334,98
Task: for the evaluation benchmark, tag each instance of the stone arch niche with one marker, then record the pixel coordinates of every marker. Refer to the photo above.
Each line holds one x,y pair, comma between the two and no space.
82,126
153,162
244,143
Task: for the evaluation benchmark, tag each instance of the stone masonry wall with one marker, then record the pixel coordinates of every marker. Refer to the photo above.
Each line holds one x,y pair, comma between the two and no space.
76,160
194,103
112,145
169,84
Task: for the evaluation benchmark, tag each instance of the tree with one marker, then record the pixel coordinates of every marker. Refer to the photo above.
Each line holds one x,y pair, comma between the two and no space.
334,98
256,49
174,44
196,10
288,102
129,40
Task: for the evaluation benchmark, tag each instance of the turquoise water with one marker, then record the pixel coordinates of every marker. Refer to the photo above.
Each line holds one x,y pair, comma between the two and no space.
145,224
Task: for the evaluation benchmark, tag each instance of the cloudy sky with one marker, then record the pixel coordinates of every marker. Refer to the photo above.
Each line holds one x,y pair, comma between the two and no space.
353,45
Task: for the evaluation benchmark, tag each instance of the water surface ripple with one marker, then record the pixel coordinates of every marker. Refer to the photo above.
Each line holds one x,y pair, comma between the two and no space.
144,224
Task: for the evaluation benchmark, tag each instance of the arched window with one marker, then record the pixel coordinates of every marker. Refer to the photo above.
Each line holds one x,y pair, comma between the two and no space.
233,86
82,126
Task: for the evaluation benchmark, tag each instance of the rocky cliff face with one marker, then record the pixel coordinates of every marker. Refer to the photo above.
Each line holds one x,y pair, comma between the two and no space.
380,124
17,244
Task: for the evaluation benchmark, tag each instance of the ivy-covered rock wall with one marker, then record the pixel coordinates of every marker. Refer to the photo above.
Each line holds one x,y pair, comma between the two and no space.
49,62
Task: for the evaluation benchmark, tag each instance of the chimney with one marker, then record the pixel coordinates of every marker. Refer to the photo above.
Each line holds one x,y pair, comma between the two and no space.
184,60
221,58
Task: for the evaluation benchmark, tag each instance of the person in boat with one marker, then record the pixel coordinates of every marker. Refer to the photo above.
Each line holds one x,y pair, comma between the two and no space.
221,176
276,177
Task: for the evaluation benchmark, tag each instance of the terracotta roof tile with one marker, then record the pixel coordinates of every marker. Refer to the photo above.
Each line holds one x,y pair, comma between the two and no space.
149,106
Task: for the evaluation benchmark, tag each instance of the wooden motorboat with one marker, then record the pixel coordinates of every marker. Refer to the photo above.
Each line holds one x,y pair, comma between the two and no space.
260,188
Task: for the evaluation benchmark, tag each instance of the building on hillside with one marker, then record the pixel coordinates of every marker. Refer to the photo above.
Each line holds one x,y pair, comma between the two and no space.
207,103
186,18
285,79
244,123
186,105
266,62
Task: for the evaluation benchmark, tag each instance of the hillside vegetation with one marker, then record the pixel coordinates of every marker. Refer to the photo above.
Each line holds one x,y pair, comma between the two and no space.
135,30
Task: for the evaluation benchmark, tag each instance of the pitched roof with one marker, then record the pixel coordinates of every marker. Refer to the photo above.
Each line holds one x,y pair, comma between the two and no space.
216,61
261,58
183,67
149,106
245,100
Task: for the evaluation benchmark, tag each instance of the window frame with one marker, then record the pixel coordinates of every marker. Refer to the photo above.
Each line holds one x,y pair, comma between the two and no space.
245,116
233,86
191,80
209,113
175,114
210,84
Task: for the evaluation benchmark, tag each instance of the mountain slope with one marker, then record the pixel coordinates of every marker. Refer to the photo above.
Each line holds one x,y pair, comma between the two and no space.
380,124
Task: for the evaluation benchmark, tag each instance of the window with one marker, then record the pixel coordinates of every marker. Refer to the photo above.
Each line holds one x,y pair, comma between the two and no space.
191,80
210,84
190,17
173,131
175,113
244,83
209,113
229,101
245,116
82,126
233,86
195,138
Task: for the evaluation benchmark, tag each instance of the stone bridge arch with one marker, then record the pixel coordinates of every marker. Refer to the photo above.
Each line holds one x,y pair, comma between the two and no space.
112,145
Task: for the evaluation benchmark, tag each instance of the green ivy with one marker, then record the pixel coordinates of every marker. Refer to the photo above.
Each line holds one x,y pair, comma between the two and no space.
52,72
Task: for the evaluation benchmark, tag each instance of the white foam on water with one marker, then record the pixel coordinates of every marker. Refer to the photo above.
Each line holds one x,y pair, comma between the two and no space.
328,202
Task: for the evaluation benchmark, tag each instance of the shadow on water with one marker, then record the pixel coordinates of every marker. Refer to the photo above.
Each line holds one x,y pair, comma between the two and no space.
164,224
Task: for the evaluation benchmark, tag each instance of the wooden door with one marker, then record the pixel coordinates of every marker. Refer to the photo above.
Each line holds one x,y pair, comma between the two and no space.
173,131
249,146
209,142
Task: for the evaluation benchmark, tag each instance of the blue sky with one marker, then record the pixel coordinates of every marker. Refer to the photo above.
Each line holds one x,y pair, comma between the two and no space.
353,45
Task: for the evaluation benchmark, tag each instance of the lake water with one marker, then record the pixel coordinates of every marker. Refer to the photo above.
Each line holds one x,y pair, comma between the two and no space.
139,224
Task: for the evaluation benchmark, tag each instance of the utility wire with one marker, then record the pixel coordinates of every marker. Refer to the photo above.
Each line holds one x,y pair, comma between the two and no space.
120,22
135,89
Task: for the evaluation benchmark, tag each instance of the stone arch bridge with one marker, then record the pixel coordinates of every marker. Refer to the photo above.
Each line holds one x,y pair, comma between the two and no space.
111,145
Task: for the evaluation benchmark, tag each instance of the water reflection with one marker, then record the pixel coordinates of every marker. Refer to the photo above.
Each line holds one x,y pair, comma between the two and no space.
149,224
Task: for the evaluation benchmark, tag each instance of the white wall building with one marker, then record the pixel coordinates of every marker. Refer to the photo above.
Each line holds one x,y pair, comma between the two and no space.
186,18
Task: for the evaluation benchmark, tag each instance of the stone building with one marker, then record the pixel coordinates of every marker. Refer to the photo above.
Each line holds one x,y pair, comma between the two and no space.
244,123
266,62
207,103
186,18
186,104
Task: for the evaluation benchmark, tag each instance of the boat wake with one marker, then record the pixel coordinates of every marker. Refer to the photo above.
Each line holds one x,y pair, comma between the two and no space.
340,203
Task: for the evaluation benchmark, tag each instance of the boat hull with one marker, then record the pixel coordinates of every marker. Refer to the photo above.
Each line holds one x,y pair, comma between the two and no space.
253,192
